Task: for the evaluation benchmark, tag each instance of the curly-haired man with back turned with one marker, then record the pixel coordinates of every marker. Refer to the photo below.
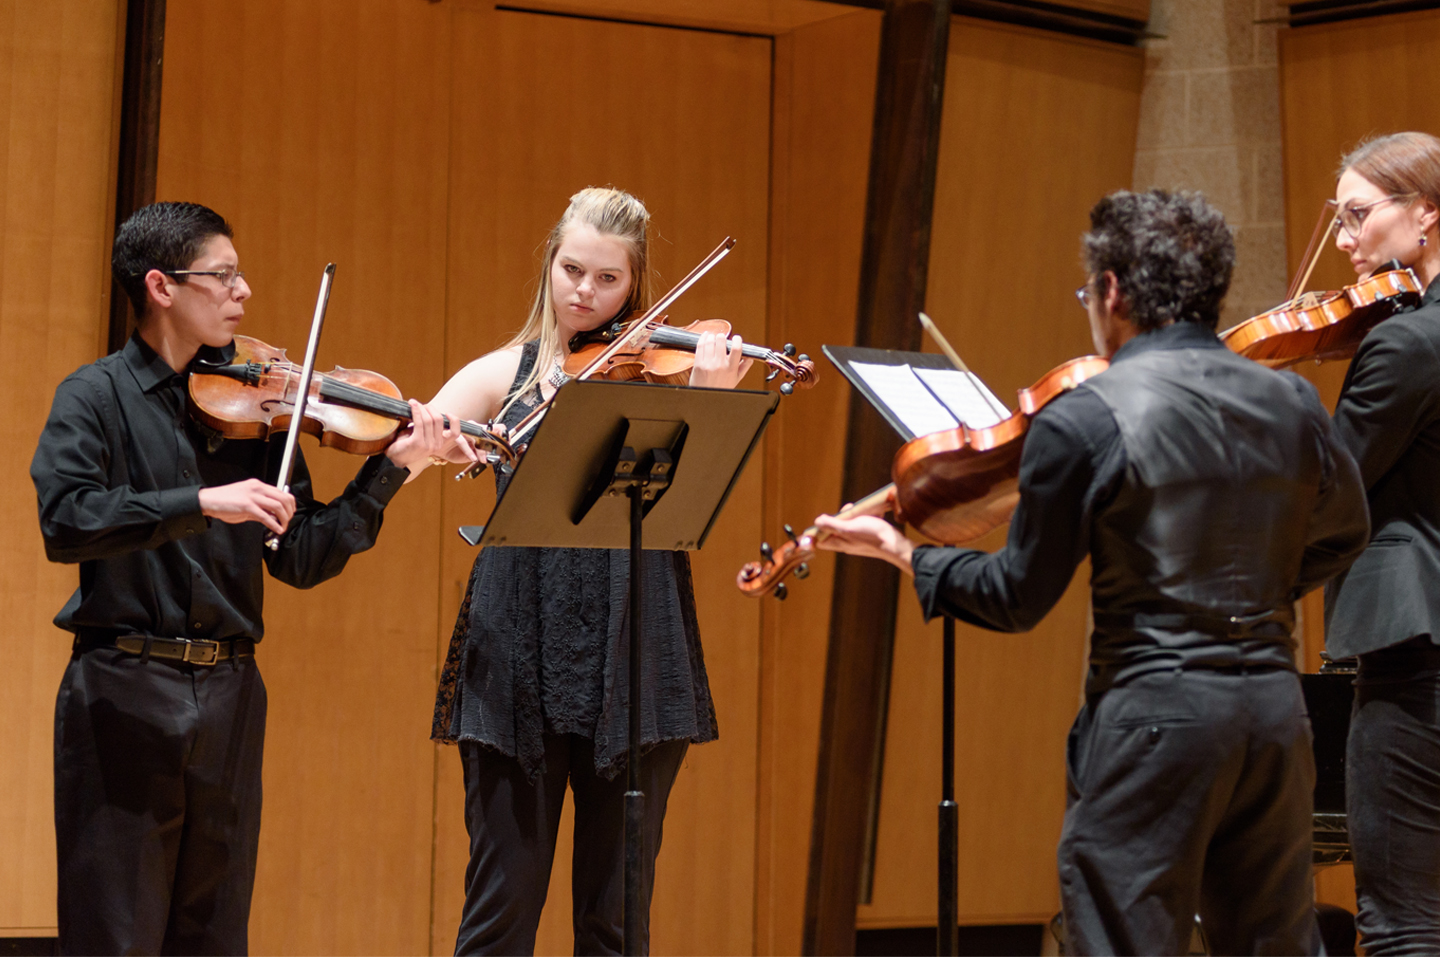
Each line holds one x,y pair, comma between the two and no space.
1210,493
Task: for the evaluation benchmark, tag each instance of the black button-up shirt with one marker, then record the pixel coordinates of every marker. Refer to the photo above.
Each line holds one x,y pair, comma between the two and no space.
118,474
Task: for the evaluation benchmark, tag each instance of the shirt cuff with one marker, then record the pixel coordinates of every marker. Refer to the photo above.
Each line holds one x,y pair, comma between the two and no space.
928,565
180,514
380,479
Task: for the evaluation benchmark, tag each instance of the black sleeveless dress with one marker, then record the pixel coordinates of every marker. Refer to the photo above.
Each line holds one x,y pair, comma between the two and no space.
542,642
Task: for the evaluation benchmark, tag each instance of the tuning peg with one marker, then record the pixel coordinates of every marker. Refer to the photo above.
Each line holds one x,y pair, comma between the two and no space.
802,571
788,349
804,358
787,388
772,375
789,532
780,592
767,553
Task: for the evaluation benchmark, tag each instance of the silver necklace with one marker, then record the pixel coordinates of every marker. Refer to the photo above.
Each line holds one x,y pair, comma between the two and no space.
558,377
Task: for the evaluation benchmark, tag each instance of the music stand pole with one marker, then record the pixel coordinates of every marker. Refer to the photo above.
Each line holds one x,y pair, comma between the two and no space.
635,908
947,931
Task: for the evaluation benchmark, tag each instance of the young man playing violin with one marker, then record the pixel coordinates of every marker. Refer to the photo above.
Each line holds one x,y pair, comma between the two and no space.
160,719
1210,493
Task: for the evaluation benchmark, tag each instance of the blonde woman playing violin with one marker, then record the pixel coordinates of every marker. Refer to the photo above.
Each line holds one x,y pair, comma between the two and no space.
533,686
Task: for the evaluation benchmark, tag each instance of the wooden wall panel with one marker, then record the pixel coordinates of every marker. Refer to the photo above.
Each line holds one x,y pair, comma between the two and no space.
1013,192
824,103
58,119
681,119
321,132
1341,83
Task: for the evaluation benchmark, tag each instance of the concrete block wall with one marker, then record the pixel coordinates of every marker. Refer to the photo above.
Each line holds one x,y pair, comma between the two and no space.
1210,121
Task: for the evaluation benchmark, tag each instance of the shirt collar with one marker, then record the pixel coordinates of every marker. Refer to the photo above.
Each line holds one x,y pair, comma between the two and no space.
1432,292
151,370
1182,335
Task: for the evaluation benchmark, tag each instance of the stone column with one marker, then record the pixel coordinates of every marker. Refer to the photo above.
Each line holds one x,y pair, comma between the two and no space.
1210,121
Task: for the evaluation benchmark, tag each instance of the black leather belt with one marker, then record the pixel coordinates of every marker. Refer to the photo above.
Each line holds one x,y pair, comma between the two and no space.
201,653
1270,623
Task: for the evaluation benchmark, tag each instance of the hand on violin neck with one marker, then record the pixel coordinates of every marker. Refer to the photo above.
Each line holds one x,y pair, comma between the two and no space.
426,440
719,361
246,501
865,536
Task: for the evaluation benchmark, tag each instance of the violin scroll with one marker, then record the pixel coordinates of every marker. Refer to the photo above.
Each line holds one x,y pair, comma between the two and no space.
767,576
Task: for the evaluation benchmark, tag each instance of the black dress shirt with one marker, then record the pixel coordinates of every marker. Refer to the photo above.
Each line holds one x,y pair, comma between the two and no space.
1074,466
118,473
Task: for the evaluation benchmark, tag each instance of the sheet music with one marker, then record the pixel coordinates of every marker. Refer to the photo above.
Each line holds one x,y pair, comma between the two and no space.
907,397
965,396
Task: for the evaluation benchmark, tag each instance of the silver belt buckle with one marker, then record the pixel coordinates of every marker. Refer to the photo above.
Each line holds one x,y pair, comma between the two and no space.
209,647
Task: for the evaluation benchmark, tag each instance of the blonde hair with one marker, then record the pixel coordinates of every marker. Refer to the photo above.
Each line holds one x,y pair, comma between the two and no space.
1405,165
612,213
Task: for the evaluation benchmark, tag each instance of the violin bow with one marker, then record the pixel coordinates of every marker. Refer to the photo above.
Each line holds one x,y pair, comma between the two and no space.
1317,246
307,373
950,352
526,426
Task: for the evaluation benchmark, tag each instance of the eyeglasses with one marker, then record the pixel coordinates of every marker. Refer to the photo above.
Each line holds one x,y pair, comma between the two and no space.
1082,293
1352,219
228,277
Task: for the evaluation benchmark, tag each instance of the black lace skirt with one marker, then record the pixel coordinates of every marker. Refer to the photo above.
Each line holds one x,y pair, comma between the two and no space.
542,645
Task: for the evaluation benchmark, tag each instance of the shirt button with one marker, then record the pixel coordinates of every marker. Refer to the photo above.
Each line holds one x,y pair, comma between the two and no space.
185,473
189,529
355,526
198,625
384,480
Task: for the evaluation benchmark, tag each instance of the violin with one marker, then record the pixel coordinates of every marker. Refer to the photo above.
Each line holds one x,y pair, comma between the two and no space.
666,354
952,486
1325,326
354,411
623,341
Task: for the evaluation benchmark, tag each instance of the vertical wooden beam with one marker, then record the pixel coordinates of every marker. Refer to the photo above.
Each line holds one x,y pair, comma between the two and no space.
139,133
904,149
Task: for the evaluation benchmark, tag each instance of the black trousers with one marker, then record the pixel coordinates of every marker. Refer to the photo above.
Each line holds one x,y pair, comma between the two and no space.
1190,792
157,804
1392,799
513,824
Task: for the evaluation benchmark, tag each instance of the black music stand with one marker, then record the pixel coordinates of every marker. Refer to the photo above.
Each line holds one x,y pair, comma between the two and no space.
947,924
604,441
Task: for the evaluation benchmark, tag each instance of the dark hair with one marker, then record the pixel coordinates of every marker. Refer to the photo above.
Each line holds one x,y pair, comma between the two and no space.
1172,255
162,236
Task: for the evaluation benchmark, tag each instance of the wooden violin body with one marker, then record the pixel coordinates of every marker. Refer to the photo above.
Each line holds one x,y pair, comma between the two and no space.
957,485
1324,326
953,486
354,411
665,354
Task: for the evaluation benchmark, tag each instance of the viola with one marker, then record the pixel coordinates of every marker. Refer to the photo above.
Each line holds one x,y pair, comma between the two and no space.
354,411
1324,326
952,486
660,353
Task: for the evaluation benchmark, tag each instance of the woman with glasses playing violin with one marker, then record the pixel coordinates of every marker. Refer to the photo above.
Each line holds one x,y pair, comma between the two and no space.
1386,608
532,688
